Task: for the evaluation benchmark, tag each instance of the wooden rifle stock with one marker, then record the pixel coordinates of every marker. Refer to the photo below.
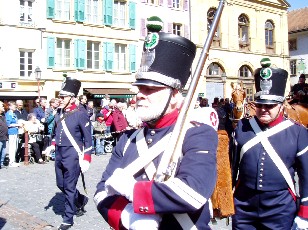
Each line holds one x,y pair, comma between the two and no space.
173,152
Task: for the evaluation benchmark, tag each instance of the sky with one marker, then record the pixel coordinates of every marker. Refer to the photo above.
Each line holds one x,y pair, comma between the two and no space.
296,4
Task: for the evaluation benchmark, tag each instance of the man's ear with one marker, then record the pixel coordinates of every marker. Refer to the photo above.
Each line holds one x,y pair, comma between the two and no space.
176,98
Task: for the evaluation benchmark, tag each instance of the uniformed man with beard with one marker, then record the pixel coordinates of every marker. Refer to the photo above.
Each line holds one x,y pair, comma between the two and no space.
136,200
73,144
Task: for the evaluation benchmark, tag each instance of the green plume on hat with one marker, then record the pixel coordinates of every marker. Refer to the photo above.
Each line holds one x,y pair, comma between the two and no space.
154,24
265,62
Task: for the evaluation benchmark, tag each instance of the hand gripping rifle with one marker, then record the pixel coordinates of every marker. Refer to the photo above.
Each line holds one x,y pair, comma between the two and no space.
173,152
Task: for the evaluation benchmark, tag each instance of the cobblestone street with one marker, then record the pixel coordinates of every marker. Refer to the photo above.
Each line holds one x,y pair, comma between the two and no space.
30,198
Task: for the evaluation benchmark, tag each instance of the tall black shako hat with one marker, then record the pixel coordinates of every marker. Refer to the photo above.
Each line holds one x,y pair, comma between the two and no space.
270,83
166,58
70,86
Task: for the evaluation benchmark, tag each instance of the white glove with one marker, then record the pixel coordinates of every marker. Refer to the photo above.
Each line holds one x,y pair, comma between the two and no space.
84,165
300,223
135,221
120,183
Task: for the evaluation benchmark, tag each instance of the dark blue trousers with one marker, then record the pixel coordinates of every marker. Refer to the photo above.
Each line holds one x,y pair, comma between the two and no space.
67,173
263,209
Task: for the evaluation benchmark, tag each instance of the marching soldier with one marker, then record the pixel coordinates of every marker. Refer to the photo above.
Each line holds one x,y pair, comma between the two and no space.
135,200
73,146
268,150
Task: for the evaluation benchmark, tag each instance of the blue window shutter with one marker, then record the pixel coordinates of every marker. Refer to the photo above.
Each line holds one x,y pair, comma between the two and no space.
132,58
132,15
79,10
104,55
50,8
108,12
76,10
51,52
76,45
82,54
110,52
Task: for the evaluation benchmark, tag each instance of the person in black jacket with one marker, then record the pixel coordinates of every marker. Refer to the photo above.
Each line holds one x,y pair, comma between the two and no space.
3,135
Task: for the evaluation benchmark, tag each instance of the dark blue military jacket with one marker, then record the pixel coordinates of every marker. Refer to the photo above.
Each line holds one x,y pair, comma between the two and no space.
78,124
188,192
257,170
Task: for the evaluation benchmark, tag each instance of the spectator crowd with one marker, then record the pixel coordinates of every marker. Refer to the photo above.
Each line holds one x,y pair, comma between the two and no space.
108,122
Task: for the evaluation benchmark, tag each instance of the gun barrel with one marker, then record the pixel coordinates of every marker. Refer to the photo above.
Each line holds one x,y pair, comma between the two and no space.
173,153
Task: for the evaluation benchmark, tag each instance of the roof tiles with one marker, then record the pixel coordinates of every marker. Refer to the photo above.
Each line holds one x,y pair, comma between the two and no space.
298,20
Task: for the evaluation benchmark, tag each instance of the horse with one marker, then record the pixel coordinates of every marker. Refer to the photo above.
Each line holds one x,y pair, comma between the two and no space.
238,96
297,112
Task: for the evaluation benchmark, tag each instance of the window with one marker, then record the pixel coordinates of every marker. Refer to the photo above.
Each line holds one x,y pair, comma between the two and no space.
91,11
292,44
245,71
119,13
63,9
63,52
176,4
93,55
293,68
176,29
243,30
214,69
154,2
26,66
249,92
269,34
120,57
25,11
210,17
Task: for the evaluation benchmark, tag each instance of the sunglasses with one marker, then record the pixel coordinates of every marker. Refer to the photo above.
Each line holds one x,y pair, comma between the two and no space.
266,106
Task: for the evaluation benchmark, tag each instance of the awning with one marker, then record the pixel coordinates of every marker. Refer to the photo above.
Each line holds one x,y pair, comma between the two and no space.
114,93
15,95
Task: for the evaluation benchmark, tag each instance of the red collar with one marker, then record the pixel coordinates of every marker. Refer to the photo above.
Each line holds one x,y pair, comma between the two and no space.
71,108
167,120
278,120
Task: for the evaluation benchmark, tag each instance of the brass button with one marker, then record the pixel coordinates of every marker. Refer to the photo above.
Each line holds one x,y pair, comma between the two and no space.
152,132
141,209
146,209
144,176
149,141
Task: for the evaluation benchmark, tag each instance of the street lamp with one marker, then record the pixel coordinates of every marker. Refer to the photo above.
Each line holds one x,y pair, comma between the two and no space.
224,79
38,72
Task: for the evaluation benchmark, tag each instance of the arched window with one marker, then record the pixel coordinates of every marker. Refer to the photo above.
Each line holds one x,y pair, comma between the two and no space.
269,34
214,69
245,71
210,17
243,30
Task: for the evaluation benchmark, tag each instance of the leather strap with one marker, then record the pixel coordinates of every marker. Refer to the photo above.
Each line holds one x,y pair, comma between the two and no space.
273,154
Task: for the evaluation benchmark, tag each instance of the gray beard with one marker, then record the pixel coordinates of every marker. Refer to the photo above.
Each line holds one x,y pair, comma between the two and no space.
150,113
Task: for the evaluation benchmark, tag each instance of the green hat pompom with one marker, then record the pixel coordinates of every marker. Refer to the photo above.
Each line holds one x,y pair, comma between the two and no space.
154,24
265,62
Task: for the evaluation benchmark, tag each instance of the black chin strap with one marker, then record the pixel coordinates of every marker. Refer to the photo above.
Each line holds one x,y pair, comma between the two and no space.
67,104
153,122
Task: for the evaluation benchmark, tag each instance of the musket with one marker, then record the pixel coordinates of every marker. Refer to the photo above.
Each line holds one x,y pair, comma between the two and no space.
173,153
